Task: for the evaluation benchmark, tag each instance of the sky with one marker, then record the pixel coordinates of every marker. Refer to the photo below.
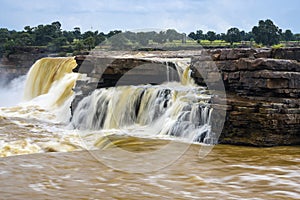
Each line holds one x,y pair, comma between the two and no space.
132,15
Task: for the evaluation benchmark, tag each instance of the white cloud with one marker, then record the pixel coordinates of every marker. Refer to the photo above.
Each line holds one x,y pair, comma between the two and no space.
183,15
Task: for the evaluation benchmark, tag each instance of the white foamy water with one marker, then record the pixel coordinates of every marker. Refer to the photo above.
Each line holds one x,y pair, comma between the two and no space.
48,96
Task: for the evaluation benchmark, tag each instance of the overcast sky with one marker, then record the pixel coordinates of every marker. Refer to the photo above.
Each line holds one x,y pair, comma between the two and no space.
182,15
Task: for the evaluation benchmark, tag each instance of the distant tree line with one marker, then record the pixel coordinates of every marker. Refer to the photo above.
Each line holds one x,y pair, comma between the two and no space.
266,33
50,36
137,40
54,39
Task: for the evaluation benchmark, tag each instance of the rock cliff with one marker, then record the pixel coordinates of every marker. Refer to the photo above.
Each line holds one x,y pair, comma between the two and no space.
18,64
262,88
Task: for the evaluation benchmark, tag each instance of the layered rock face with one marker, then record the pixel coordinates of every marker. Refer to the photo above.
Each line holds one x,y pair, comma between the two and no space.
263,91
18,64
7,73
262,88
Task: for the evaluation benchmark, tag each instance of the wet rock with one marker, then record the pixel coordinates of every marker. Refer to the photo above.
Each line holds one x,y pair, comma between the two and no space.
262,86
260,122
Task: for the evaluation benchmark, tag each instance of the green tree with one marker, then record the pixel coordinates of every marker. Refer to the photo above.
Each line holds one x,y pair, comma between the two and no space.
56,26
288,35
211,36
99,38
218,36
192,35
24,39
297,37
243,35
28,29
249,36
45,34
56,44
197,36
222,36
112,33
4,35
69,35
42,35
88,34
78,45
4,38
89,42
9,47
77,33
266,33
233,35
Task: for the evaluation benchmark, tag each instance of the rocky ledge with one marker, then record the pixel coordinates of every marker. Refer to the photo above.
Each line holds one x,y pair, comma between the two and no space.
263,91
262,88
19,63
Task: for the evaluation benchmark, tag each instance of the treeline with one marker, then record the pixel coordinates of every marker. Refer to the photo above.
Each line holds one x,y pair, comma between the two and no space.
266,33
52,38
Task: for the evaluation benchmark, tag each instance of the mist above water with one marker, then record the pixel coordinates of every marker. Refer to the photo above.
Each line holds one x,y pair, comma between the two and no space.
11,92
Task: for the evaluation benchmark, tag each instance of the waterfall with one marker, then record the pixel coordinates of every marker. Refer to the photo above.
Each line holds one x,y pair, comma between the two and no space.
168,71
175,109
184,73
52,77
169,109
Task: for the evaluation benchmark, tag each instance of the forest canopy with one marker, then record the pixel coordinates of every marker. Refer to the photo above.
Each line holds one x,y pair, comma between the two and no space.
54,39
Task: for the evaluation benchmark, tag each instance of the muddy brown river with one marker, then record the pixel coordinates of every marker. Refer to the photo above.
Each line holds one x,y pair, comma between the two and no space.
130,142
228,172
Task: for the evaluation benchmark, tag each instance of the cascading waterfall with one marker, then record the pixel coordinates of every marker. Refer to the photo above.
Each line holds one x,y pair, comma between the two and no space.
178,109
32,125
173,110
184,73
52,77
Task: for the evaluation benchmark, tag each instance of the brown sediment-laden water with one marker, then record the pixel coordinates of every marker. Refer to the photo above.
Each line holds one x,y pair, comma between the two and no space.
108,148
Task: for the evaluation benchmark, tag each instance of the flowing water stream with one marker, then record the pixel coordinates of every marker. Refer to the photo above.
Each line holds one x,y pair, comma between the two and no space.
49,154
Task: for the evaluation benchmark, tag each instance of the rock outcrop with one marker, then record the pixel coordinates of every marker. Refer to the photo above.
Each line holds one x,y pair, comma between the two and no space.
261,121
18,64
263,91
262,88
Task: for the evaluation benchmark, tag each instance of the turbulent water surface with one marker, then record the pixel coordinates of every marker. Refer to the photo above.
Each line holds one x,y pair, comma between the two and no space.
45,155
228,172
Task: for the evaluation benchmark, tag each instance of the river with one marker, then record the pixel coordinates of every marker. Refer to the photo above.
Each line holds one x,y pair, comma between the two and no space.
128,142
228,172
